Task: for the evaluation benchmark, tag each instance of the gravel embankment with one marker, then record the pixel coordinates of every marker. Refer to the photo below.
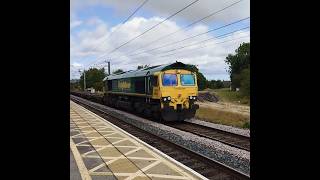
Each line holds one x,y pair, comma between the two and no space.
243,132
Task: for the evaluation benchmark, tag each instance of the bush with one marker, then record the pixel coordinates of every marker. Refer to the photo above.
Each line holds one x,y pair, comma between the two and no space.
245,82
215,84
235,79
202,81
246,125
94,78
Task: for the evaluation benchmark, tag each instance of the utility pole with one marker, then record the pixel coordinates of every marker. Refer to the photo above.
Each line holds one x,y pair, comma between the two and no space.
109,67
84,79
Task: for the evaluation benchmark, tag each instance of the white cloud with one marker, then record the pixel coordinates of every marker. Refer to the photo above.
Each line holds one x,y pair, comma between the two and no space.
74,24
77,65
210,58
165,8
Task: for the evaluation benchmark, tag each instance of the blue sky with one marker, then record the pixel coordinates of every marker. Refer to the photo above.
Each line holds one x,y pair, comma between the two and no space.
92,21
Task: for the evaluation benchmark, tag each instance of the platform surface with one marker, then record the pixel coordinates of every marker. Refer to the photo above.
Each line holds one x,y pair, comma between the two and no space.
104,151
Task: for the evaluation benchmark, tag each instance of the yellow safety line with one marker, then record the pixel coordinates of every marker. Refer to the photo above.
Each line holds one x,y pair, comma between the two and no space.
156,154
82,168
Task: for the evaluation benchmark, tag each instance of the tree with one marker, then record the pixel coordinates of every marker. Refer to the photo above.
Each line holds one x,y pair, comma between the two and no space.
211,84
94,78
215,84
245,82
218,84
142,66
202,81
117,71
238,62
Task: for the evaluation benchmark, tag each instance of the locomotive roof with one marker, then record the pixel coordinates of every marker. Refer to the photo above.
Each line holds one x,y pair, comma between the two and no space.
146,71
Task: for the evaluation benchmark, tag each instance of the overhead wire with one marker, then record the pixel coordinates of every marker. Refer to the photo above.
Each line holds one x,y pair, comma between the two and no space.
162,37
149,29
129,17
209,39
135,11
200,42
187,26
201,47
172,43
169,44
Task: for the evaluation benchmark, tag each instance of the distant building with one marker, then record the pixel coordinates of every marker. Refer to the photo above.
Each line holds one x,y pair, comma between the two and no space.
91,90
226,84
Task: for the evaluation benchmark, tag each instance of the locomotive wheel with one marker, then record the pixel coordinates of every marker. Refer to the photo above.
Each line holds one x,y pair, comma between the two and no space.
156,116
147,112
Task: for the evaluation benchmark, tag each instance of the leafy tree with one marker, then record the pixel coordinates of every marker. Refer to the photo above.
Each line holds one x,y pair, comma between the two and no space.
211,84
245,82
117,71
94,78
215,84
202,81
238,62
235,81
218,84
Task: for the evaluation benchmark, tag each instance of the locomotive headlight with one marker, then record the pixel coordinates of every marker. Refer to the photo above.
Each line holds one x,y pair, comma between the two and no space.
192,97
166,99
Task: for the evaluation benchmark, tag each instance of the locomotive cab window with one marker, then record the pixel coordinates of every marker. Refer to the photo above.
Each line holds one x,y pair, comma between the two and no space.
187,79
169,80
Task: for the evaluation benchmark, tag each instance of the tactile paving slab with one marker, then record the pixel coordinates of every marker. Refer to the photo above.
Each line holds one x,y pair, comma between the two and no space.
103,151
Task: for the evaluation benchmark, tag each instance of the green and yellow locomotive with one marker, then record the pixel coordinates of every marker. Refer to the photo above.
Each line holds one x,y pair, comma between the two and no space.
166,92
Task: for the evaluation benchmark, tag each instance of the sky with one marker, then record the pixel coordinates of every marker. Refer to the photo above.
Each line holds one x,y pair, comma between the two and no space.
97,32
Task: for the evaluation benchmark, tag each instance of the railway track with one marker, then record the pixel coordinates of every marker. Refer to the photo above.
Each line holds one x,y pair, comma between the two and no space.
231,139
207,167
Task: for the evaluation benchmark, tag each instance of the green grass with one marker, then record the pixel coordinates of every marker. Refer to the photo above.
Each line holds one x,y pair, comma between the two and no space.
223,117
228,118
225,95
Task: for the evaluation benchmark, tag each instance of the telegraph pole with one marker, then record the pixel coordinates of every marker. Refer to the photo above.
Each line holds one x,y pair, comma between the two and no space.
84,79
109,67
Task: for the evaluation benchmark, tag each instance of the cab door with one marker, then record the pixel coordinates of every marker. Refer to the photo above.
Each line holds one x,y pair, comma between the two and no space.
149,85
154,86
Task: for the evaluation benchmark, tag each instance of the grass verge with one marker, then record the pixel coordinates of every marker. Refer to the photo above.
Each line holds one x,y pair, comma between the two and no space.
223,117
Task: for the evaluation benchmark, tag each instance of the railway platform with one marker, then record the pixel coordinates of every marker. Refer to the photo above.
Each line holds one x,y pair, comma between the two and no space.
101,150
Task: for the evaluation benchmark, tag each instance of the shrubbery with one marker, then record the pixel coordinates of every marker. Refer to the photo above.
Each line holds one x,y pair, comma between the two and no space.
239,69
94,78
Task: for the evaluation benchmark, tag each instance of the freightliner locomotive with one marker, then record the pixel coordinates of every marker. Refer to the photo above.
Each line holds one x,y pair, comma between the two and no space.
164,92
